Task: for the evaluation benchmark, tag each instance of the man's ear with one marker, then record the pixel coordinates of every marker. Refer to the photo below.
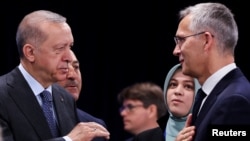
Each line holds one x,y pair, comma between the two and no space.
152,109
209,39
28,51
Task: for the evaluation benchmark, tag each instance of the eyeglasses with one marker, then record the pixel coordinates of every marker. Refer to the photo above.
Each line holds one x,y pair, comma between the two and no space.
129,107
179,40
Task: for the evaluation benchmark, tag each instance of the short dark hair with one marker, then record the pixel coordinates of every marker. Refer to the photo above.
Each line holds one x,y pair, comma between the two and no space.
148,93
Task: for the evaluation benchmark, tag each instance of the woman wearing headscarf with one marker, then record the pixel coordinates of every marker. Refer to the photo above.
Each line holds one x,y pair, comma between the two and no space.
179,92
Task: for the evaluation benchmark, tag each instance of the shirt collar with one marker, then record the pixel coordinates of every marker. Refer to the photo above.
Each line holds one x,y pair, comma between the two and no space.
35,86
210,83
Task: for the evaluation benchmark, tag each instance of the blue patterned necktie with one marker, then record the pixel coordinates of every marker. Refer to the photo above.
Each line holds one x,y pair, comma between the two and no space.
197,104
48,112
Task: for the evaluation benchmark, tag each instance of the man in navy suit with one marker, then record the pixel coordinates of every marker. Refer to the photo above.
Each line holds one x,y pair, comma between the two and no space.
44,40
206,38
73,84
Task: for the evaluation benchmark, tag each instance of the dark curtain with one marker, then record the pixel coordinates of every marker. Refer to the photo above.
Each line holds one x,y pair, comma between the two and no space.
117,43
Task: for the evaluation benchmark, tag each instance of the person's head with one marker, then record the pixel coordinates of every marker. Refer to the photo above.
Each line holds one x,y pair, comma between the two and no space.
206,38
142,104
44,41
73,82
179,92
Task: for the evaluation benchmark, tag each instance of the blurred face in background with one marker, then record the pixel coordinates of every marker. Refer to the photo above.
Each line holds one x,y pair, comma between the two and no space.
73,81
135,116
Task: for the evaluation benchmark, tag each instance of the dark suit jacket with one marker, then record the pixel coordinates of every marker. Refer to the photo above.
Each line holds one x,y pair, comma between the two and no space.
154,134
85,117
227,104
162,122
21,116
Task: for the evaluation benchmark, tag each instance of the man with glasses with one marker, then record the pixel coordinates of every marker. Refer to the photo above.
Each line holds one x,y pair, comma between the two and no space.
142,105
179,40
205,42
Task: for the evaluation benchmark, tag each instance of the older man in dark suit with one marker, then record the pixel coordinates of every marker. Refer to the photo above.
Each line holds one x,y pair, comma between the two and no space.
205,42
44,41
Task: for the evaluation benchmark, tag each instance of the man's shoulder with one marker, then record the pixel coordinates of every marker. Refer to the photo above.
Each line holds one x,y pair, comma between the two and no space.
86,117
154,134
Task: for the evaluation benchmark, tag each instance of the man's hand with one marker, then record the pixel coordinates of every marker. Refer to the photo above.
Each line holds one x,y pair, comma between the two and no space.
187,133
86,131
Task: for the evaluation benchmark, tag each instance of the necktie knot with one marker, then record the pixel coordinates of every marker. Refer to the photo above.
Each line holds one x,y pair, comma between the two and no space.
197,104
46,96
200,95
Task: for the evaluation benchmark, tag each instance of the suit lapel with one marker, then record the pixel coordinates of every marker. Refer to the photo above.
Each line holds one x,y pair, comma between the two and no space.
28,104
59,108
211,99
63,110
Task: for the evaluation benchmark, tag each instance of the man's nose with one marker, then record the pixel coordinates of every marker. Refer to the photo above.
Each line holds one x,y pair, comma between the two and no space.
71,72
177,50
67,55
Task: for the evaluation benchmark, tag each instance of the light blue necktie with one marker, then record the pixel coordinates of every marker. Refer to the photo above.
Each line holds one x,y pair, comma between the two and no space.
48,112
